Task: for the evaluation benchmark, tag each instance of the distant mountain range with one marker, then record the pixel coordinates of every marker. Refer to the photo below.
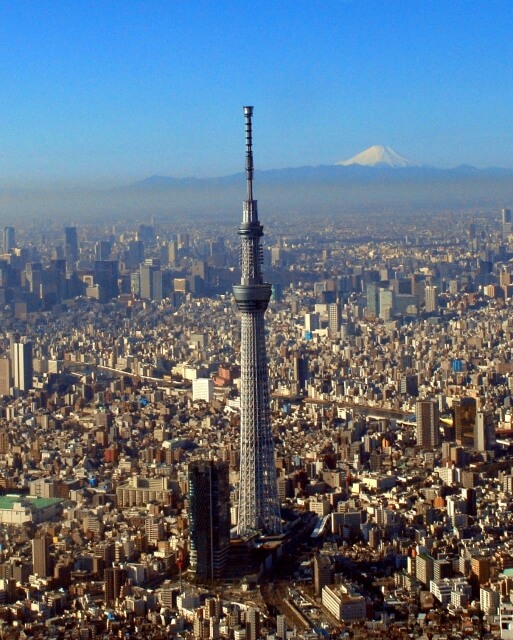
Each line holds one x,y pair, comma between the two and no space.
361,168
376,180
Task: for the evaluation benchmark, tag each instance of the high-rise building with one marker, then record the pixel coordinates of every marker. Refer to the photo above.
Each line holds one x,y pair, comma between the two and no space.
115,578
386,304
146,233
281,627
106,277
334,319
428,424
484,431
312,322
102,250
150,278
203,389
431,299
372,294
70,245
465,410
480,565
300,369
21,360
323,572
252,623
424,568
507,223
41,556
5,377
173,253
259,507
134,254
9,239
209,518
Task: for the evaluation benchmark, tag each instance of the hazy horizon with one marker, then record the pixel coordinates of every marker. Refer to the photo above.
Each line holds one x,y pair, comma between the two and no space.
223,200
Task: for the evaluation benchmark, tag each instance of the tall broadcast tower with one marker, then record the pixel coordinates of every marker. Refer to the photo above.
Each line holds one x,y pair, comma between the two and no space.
259,507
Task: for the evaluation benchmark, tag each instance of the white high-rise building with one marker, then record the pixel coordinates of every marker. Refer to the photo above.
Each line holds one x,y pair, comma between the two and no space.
203,389
22,370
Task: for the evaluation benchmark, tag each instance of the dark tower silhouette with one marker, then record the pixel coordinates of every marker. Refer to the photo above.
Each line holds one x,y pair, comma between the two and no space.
209,518
70,245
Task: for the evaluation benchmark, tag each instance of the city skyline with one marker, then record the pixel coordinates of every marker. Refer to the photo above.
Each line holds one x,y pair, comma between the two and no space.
106,94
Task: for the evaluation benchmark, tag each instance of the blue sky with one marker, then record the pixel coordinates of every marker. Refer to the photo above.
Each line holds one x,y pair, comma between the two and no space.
112,91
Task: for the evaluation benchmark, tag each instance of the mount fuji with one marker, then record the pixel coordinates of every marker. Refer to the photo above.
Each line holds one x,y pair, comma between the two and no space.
378,156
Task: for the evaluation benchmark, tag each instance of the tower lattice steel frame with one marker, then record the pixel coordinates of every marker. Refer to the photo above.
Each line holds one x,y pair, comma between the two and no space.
259,507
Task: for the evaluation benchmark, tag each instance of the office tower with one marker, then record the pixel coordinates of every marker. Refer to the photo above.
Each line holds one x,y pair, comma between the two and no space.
173,253
372,294
465,410
507,223
105,275
41,556
386,304
102,250
9,241
259,507
209,518
428,424
21,360
70,245
146,234
431,299
184,241
134,254
34,276
484,431
334,319
150,282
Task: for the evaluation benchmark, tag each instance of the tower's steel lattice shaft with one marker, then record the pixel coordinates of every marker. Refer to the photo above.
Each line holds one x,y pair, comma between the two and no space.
259,507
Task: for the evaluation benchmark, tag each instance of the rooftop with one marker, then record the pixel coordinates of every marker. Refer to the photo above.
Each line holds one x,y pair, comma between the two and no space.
34,502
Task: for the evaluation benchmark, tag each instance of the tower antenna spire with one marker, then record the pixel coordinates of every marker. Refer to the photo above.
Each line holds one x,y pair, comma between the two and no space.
248,116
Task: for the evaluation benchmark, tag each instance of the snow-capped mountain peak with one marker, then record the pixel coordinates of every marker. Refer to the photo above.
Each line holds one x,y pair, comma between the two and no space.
378,155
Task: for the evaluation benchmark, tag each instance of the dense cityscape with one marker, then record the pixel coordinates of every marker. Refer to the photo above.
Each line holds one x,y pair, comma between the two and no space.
256,363
390,365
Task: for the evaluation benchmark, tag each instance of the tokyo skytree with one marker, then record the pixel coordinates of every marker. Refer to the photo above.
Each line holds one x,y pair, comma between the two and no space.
259,507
